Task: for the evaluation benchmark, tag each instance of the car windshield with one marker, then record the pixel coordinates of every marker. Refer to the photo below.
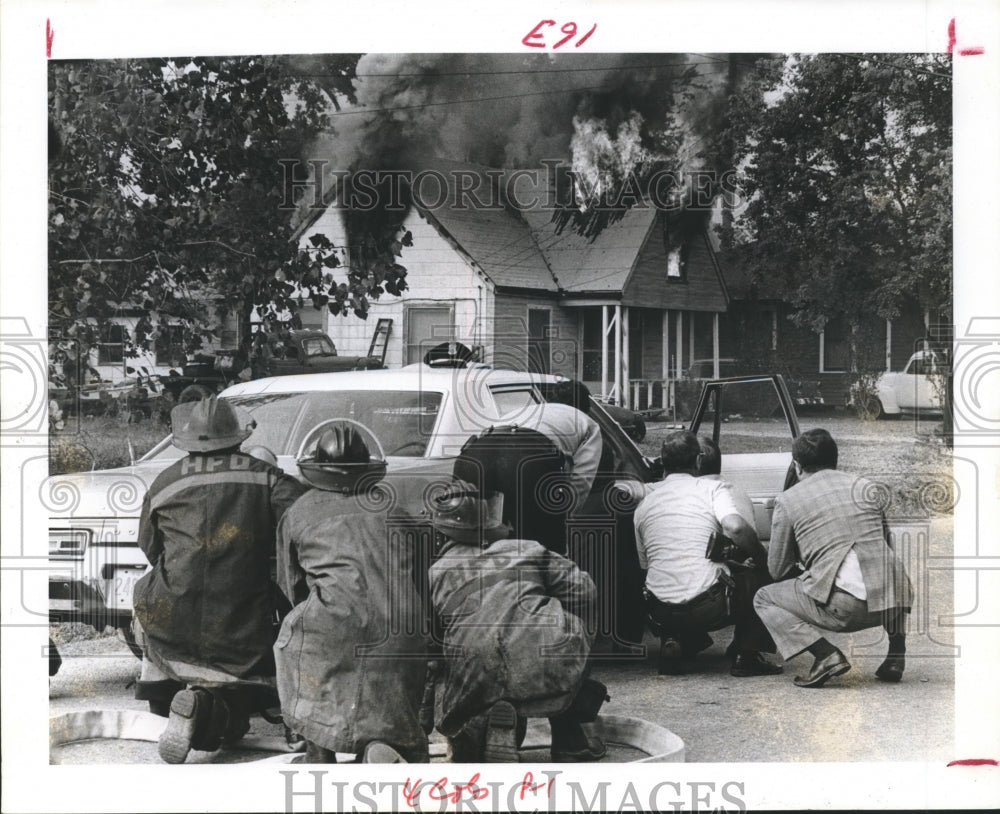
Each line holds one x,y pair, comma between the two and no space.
321,346
403,421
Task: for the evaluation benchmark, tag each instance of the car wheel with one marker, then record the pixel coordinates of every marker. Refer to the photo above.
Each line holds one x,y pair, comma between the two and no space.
638,430
194,392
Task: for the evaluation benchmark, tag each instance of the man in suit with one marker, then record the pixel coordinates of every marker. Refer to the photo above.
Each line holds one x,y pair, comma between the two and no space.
851,578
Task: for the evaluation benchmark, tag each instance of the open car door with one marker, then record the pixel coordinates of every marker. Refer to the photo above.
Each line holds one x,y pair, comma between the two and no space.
753,421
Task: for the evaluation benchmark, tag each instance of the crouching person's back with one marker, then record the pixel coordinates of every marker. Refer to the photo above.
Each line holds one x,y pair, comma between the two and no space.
351,656
512,618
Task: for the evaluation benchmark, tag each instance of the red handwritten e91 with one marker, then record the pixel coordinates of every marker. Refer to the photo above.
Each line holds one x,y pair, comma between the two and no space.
536,38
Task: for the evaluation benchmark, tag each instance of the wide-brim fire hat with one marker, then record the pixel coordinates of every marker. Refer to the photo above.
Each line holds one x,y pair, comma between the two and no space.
342,455
209,424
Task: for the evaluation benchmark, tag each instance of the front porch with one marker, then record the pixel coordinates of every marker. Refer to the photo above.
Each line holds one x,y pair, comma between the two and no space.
633,356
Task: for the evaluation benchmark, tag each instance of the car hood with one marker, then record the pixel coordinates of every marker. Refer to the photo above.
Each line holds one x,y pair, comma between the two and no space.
100,493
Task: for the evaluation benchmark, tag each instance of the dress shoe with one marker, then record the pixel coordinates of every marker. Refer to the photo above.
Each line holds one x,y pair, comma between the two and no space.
692,647
891,669
748,664
670,662
824,669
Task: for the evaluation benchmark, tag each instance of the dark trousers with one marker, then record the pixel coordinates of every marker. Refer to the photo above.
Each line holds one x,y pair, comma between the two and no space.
725,603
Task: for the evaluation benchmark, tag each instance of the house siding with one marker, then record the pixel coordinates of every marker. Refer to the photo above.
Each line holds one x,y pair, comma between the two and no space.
747,337
437,274
510,333
649,287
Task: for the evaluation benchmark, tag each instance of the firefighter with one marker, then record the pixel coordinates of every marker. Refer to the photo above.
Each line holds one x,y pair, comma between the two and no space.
352,654
208,528
511,615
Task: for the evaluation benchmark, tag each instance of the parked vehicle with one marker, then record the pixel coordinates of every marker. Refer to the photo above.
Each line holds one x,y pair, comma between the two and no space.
421,416
303,351
915,390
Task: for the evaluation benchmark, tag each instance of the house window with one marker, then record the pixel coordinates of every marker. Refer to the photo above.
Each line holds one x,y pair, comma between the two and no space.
169,345
426,326
111,348
834,347
677,246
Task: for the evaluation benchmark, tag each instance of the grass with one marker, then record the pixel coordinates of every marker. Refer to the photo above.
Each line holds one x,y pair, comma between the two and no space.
100,442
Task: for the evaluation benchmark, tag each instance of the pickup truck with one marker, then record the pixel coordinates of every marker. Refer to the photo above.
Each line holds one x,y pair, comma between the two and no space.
304,351
915,390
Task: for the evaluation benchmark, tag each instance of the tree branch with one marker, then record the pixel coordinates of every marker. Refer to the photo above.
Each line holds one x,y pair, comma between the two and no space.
217,243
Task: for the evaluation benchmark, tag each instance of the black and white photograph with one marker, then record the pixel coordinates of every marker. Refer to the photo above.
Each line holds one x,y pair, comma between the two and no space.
525,409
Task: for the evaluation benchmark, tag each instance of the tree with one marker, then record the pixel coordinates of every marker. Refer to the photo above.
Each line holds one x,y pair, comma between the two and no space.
168,192
846,163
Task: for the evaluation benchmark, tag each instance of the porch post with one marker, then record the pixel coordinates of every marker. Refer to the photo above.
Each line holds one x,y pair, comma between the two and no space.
679,369
665,361
691,338
715,345
604,351
618,353
625,395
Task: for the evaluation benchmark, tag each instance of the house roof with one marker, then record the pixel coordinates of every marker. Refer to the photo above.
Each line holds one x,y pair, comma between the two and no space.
581,264
492,235
505,227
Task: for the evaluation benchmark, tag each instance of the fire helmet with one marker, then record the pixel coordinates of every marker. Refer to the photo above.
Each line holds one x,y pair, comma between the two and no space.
209,425
341,455
463,514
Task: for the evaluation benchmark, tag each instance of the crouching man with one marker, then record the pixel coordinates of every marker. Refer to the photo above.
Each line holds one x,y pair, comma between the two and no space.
351,655
852,578
516,646
689,594
207,528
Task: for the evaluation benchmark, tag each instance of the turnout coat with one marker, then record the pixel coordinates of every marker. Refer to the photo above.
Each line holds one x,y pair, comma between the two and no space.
207,527
351,656
513,626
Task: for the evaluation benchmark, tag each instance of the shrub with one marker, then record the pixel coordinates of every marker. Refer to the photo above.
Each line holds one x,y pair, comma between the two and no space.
100,442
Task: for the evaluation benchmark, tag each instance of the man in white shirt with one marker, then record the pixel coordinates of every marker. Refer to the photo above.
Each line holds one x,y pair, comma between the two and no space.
565,420
688,594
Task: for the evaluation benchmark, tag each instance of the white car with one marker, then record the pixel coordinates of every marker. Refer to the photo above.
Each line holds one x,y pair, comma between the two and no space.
421,415
915,390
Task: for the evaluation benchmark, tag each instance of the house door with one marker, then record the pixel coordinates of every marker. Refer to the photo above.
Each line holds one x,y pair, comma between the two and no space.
426,326
539,333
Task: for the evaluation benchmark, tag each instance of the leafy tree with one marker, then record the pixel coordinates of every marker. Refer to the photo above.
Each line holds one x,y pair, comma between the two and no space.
846,163
167,192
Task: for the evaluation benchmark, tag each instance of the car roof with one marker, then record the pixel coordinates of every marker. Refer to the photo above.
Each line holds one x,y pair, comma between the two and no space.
412,377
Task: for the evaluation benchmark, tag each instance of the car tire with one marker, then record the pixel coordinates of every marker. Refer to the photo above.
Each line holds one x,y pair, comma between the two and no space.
194,392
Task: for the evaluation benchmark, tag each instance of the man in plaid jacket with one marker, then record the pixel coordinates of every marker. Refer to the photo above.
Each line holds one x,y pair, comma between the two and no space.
831,536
